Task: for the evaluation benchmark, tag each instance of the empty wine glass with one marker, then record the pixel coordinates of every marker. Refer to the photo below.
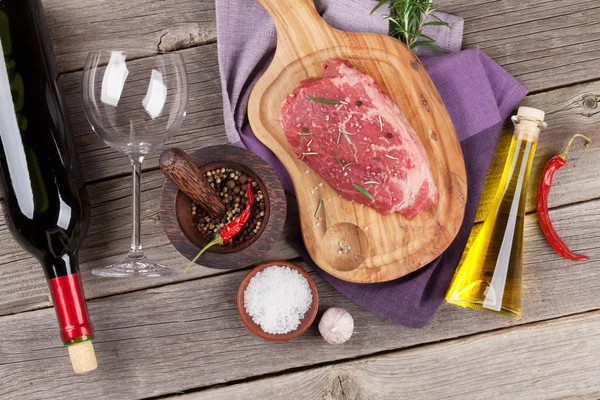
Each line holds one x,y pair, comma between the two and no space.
135,105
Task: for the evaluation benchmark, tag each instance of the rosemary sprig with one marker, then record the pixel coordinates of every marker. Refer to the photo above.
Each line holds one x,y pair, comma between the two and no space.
363,191
320,100
407,20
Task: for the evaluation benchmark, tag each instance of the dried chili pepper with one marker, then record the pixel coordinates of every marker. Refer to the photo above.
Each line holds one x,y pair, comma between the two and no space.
555,163
232,228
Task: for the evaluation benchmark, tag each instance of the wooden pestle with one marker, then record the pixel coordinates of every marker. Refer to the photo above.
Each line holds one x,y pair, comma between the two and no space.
179,167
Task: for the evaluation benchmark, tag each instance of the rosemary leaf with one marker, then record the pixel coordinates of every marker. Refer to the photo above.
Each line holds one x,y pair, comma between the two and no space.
320,100
319,207
338,161
379,5
363,191
435,23
431,46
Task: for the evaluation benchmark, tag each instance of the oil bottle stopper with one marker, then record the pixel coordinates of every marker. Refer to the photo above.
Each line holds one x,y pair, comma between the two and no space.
531,113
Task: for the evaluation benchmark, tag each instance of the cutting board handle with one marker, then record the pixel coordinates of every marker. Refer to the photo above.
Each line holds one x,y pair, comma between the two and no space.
299,24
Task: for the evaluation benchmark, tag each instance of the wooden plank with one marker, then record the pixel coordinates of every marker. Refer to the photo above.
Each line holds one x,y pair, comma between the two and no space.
188,335
543,43
22,283
568,110
554,359
203,125
561,46
147,27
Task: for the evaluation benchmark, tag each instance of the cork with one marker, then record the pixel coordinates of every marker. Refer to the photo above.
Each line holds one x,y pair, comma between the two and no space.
531,113
83,357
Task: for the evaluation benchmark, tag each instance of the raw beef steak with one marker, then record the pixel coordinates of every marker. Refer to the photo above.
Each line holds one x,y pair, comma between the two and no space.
352,134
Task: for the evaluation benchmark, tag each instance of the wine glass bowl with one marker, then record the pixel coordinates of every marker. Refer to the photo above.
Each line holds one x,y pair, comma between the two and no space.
135,104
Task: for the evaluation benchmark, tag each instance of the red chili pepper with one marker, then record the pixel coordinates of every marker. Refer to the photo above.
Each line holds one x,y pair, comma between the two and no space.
231,229
555,163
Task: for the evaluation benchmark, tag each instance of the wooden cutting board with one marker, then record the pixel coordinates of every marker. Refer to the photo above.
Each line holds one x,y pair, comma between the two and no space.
382,247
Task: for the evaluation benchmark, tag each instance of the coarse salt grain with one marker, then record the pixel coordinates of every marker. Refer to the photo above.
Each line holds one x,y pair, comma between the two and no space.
277,299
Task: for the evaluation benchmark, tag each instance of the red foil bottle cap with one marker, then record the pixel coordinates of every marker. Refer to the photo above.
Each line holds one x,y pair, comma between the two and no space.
71,309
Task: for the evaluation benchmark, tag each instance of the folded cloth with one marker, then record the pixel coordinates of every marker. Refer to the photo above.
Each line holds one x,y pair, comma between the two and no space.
478,94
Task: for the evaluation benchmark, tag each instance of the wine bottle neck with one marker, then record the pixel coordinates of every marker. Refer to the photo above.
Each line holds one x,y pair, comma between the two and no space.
62,266
71,309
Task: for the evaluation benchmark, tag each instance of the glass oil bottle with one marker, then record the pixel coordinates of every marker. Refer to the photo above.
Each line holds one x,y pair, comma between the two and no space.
489,278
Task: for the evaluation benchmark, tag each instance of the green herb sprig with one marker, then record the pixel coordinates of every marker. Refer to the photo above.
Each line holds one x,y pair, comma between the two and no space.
320,100
364,191
407,19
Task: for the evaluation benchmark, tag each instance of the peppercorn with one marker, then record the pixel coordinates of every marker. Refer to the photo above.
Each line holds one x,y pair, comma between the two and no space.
228,184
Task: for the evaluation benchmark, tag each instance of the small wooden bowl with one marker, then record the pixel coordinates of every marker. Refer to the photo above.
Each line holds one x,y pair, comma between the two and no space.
177,220
308,319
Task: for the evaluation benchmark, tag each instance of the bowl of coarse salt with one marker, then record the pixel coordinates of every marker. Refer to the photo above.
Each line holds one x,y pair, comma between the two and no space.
278,300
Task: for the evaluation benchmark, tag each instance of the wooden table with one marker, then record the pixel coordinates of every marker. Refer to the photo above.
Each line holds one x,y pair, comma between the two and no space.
164,337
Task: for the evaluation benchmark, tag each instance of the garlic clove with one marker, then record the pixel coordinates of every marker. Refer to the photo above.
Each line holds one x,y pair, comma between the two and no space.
336,325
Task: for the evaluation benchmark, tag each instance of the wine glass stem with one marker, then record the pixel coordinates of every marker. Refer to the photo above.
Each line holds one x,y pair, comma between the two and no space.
136,251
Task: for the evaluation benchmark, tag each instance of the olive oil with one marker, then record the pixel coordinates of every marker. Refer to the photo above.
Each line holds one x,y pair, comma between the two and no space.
490,276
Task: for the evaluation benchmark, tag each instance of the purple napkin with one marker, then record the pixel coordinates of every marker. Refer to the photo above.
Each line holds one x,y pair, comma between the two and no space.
478,93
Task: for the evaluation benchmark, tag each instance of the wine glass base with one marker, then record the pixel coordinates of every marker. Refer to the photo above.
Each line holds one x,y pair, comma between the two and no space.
133,269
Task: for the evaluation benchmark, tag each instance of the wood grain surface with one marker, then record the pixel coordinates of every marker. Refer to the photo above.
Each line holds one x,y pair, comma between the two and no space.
510,364
78,27
388,246
188,335
543,43
560,47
